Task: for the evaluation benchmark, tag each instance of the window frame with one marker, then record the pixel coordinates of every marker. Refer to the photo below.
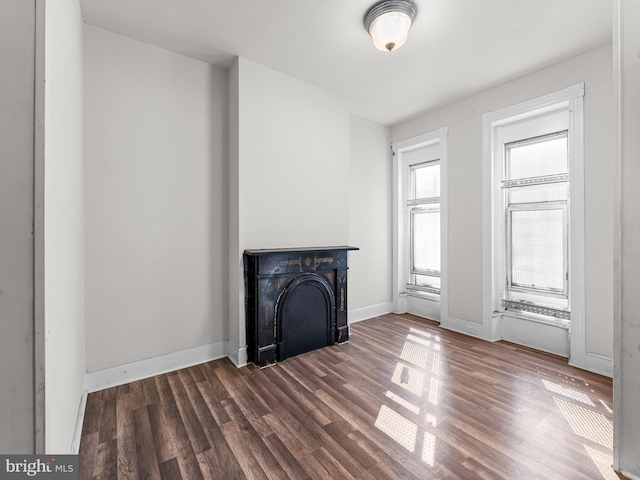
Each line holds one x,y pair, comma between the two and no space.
418,300
570,101
422,205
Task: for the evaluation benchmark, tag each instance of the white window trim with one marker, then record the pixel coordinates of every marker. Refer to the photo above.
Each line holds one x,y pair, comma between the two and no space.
573,99
399,286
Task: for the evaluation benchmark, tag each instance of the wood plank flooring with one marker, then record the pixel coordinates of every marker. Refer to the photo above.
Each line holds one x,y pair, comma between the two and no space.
403,399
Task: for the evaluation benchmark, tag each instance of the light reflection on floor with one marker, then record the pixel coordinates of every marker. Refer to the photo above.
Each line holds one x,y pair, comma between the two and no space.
603,462
405,403
418,349
586,423
415,354
429,448
403,431
568,392
418,381
408,378
593,427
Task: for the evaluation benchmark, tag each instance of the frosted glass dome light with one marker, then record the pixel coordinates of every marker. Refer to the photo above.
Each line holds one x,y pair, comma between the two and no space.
388,23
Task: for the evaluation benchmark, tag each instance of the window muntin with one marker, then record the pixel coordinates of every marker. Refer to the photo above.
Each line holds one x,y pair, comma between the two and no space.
536,192
423,206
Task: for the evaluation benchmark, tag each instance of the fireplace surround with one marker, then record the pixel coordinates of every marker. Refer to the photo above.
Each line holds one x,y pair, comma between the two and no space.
295,301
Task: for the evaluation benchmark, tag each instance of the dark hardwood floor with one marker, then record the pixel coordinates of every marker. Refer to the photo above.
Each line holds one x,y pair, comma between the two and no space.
403,399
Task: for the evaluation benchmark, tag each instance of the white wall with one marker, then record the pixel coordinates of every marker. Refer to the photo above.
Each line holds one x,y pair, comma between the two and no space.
156,201
369,219
63,223
464,119
17,129
626,449
293,168
236,278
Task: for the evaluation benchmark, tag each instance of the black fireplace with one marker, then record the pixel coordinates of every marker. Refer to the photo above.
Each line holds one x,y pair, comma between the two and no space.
295,301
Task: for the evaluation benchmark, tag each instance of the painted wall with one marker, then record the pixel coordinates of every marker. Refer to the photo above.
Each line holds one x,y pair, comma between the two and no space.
464,119
156,201
369,218
293,168
626,451
17,48
64,223
236,279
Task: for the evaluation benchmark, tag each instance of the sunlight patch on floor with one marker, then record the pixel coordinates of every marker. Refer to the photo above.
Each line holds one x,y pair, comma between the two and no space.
418,350
603,462
431,420
400,429
415,354
568,392
402,402
590,425
408,378
420,332
429,448
434,391
420,340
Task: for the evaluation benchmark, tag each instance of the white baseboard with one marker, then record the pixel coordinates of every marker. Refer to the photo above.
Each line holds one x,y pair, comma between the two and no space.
77,433
371,311
596,363
131,372
236,354
530,333
630,476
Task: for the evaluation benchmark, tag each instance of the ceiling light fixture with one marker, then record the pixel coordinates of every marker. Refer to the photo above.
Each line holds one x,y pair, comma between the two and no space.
388,23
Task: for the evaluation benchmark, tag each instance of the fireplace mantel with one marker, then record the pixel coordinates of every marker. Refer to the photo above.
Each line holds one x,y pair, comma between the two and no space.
279,283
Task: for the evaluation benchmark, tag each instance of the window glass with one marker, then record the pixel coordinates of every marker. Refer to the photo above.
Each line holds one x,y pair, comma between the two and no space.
551,192
537,249
427,181
426,240
537,157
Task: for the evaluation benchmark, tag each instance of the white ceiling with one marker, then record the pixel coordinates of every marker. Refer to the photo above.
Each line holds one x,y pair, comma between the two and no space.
455,47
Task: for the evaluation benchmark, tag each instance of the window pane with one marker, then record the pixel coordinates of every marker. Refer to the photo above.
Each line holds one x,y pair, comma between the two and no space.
545,157
427,180
537,250
426,239
552,192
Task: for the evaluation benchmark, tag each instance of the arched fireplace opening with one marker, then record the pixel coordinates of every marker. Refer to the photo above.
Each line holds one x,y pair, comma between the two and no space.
305,316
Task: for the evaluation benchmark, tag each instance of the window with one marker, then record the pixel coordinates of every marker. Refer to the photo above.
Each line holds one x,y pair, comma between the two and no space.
420,225
535,194
533,223
423,209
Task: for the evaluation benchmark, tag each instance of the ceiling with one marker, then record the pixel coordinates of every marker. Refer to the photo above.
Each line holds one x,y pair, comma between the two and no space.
455,47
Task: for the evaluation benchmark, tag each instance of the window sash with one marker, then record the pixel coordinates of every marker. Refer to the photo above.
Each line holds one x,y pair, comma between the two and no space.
413,172
549,175
510,285
414,270
419,204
